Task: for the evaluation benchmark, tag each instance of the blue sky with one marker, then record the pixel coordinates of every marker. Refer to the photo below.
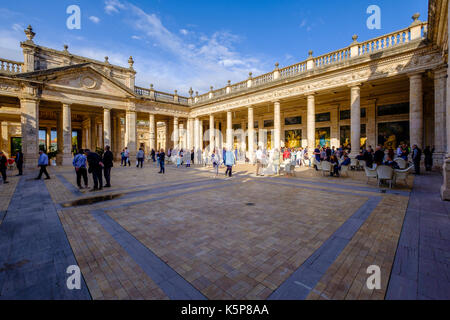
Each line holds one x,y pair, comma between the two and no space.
199,43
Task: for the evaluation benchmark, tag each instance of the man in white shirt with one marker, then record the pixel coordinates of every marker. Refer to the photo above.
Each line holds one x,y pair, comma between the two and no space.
259,161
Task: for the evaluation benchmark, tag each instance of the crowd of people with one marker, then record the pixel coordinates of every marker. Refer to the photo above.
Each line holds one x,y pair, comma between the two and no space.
99,165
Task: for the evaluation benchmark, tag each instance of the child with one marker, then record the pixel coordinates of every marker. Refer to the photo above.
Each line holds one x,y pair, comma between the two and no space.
178,161
216,163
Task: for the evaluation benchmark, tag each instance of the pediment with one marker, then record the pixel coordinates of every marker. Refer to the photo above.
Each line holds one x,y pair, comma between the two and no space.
88,80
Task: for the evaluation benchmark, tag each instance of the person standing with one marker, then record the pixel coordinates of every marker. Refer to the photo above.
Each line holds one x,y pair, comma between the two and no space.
126,155
95,168
3,166
79,162
153,155
259,161
19,162
230,162
428,152
43,163
276,162
140,158
192,156
417,157
108,163
162,157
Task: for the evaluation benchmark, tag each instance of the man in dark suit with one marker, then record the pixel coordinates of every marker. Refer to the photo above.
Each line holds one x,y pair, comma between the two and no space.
108,164
3,166
95,167
19,162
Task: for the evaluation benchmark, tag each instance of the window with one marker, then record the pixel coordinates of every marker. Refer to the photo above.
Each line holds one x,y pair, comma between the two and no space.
268,123
346,114
292,121
323,137
237,126
345,135
323,117
393,109
16,144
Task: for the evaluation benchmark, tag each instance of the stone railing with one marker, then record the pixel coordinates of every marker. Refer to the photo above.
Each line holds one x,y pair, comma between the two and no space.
161,96
10,67
417,31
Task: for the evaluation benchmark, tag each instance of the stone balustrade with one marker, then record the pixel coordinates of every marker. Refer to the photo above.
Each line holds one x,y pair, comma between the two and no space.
10,67
161,96
417,31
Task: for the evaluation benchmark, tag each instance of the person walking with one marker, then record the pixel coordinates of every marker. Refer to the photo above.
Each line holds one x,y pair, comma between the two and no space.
3,166
43,163
216,162
95,168
79,162
19,162
126,155
428,152
162,157
230,161
276,162
140,156
416,157
108,163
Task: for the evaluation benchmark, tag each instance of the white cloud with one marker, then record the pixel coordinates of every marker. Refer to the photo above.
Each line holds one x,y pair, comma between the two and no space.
136,37
178,63
113,6
18,27
94,19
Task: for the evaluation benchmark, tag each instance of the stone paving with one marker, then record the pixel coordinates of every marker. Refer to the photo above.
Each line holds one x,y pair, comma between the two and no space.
190,235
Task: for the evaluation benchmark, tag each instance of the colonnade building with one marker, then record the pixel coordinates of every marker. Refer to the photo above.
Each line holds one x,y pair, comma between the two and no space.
387,90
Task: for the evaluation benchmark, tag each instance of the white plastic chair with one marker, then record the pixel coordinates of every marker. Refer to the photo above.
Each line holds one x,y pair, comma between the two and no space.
326,167
402,175
385,173
353,164
401,163
370,173
361,164
344,169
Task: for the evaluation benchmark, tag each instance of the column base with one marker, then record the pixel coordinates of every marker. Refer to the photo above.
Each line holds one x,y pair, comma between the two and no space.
67,160
438,160
445,189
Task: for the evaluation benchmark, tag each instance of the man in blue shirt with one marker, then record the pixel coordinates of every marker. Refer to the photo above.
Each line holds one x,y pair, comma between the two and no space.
79,162
43,163
230,161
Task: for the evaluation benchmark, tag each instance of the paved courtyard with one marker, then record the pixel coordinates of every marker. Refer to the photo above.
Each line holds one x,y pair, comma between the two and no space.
188,235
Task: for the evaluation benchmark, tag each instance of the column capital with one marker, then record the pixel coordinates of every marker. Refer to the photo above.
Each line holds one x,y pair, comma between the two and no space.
415,75
355,86
440,72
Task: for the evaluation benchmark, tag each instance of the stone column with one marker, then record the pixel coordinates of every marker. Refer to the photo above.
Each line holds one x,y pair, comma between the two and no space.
130,134
251,134
371,128
440,79
445,189
196,134
277,125
243,136
107,127
416,110
355,105
29,109
152,128
166,133
201,137
176,134
48,138
93,134
59,138
229,130
212,140
67,135
100,141
4,138
311,123
335,135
